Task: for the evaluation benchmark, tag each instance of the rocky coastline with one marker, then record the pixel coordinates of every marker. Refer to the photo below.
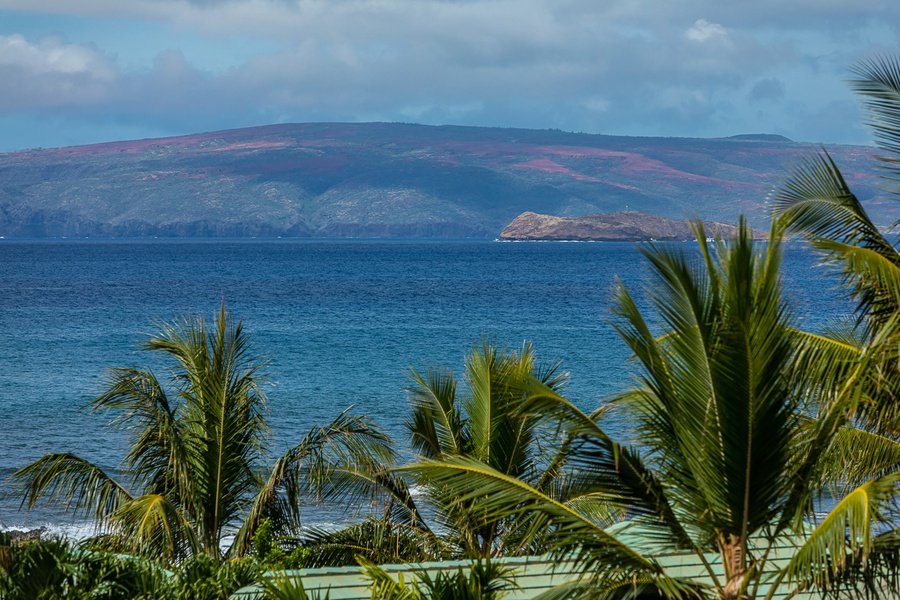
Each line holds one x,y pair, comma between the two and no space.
626,226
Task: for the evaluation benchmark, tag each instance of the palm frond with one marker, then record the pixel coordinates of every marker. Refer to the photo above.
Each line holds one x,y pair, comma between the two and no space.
878,82
483,580
346,459
285,587
856,455
203,577
386,587
628,588
80,486
603,468
847,531
714,401
151,525
224,415
823,361
157,459
498,379
597,507
349,440
872,276
815,201
377,541
436,424
486,368
499,496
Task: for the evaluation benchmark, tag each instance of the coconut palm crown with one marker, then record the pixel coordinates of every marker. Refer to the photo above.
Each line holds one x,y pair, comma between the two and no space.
817,203
729,462
479,418
196,471
476,416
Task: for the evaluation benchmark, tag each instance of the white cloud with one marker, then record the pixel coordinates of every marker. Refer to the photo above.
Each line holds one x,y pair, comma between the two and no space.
51,55
52,73
704,31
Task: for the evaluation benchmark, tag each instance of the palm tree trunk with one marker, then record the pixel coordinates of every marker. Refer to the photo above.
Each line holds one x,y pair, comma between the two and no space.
735,569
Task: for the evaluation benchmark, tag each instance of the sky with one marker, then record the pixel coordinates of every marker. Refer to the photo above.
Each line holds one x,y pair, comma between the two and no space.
84,71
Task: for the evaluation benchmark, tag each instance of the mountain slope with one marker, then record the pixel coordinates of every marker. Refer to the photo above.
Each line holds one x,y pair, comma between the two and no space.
390,180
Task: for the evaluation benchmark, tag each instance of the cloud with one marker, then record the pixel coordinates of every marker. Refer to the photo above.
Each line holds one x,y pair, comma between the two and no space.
704,31
51,72
770,88
624,66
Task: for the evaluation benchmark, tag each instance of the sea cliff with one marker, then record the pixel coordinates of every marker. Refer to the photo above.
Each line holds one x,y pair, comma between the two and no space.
623,226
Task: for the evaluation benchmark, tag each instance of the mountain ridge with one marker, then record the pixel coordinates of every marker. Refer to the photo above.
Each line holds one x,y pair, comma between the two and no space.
392,180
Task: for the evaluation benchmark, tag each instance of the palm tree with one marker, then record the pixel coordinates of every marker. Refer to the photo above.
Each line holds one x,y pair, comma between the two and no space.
478,419
817,203
195,471
729,465
482,422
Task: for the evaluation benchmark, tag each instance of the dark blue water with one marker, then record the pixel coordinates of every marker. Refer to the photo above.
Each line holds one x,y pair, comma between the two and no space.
342,322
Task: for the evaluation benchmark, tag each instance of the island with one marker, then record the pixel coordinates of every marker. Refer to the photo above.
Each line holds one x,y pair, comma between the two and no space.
625,226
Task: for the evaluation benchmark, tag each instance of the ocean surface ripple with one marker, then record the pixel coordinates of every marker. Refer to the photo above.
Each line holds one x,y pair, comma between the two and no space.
343,322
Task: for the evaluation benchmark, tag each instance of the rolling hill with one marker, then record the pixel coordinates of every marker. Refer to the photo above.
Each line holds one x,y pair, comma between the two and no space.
392,180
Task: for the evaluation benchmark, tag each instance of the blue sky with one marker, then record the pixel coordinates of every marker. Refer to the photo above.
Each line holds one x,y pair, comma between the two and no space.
83,71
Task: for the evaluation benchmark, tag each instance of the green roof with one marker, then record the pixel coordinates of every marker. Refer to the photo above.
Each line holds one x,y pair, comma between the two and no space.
534,574
537,574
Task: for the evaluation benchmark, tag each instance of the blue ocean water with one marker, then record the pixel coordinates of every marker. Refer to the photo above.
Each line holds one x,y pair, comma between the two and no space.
343,321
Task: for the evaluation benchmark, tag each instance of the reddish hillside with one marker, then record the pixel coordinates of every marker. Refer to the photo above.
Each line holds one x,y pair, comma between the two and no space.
381,179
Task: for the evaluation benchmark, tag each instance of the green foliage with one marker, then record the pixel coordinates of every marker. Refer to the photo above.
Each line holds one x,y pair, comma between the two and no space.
270,556
729,463
50,569
288,588
485,580
481,420
205,578
816,202
376,541
197,446
6,552
263,540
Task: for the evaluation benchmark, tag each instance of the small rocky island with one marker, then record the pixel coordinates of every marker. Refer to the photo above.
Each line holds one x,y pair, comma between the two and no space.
625,226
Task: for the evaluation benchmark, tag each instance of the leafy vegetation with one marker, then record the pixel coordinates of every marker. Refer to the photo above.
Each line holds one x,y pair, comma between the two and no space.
482,422
269,554
375,540
55,568
283,587
194,467
728,464
478,419
202,577
817,203
485,580
50,569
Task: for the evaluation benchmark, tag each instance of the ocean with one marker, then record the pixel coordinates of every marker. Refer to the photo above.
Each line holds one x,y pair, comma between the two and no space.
342,322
